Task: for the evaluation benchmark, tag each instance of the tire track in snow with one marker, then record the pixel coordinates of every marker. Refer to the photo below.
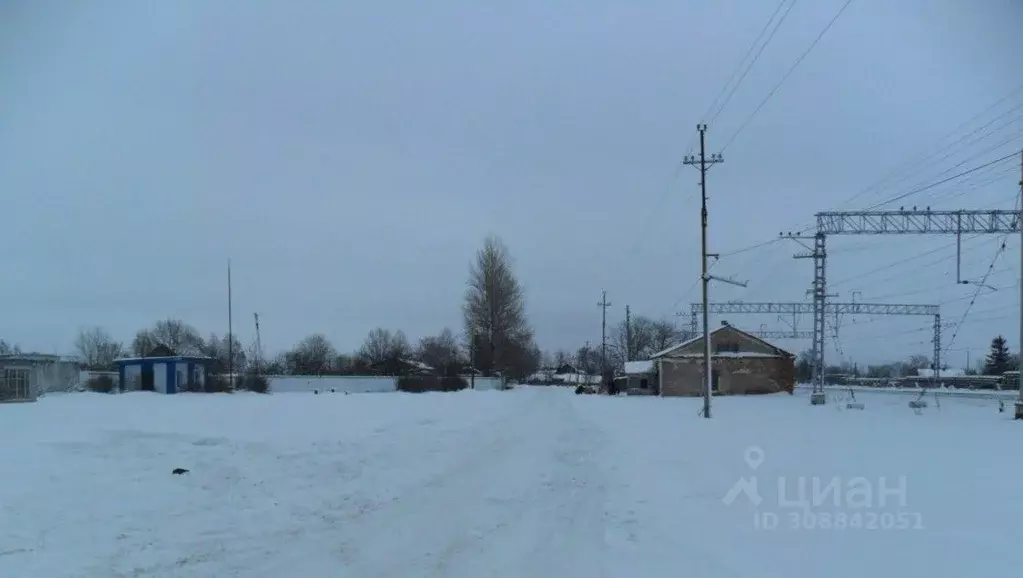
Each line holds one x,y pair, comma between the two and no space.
529,502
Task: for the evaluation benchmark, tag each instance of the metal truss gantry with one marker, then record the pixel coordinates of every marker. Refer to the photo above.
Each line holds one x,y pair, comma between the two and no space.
796,308
900,222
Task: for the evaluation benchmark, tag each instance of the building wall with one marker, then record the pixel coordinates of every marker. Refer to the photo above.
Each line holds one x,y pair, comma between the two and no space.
160,377
352,383
635,381
736,375
132,378
53,377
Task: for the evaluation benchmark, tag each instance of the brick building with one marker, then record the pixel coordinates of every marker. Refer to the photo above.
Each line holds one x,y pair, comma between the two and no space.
741,364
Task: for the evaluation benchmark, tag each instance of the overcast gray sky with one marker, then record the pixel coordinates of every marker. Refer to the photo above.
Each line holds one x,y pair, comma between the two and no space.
350,157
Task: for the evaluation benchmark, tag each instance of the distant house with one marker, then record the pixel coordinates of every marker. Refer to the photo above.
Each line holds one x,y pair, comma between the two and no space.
740,362
26,376
640,376
163,372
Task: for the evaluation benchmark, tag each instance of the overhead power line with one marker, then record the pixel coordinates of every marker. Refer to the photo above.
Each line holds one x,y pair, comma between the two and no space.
917,160
982,283
787,74
807,226
943,181
756,57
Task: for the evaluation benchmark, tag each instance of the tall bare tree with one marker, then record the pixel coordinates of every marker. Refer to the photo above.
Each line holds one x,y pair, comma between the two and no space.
494,314
97,348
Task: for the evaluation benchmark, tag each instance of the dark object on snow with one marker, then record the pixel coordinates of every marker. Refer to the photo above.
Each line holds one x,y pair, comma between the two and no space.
179,471
612,387
316,391
332,390
1001,406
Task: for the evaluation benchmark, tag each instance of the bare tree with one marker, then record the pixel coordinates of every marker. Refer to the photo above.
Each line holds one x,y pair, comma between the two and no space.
561,358
919,362
312,355
143,343
97,348
217,348
8,349
587,360
179,336
664,334
494,313
441,352
647,337
385,349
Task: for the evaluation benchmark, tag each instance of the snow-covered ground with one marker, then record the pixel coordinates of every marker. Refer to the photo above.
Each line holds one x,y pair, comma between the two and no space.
528,482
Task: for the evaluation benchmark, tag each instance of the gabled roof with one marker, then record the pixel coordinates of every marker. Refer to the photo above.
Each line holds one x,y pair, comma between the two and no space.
163,358
688,342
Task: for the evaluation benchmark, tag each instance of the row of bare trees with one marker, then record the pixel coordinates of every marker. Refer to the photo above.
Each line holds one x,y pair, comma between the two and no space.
497,338
635,340
98,349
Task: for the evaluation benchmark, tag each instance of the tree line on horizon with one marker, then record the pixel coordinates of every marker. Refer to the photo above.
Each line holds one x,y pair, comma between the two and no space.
499,339
996,362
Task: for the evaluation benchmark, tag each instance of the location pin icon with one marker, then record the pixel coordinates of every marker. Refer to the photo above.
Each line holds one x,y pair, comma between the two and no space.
754,456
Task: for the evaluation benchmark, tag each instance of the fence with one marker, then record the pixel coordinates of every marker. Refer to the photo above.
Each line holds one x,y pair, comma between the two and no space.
942,392
352,383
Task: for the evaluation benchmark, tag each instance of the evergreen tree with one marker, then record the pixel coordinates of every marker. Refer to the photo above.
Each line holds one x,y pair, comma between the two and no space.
998,361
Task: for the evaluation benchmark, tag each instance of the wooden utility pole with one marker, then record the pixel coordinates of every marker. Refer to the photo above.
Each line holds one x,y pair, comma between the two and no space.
604,304
628,335
704,163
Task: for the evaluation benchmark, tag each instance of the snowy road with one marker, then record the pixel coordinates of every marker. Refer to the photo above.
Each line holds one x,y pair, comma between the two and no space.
533,482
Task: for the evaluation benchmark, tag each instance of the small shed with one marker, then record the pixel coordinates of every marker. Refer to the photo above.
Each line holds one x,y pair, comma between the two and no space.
741,363
26,376
163,372
641,375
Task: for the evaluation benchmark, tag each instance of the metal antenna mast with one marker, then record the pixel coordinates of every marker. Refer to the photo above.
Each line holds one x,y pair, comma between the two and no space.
259,346
628,334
